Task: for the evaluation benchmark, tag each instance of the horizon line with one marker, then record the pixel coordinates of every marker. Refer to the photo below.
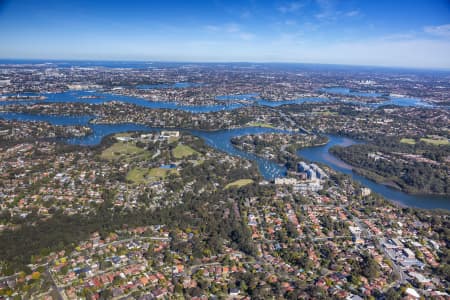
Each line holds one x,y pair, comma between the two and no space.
226,62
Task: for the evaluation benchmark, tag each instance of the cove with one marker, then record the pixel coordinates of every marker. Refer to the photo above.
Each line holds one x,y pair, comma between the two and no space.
221,140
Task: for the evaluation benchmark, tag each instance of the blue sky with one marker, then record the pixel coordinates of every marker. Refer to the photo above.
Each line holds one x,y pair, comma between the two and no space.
409,33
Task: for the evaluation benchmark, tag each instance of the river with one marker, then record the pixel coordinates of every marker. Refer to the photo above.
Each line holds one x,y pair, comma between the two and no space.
224,102
390,99
220,140
322,155
93,97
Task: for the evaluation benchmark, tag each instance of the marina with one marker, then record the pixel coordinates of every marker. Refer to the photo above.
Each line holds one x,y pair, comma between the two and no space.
221,140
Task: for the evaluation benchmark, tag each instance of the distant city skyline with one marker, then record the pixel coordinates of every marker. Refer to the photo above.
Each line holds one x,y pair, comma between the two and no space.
379,33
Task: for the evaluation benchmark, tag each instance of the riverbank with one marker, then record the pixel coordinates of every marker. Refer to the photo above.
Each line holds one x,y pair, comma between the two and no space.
418,168
392,183
221,140
322,155
280,148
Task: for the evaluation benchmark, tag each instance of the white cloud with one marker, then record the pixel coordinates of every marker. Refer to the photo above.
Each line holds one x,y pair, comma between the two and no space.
353,13
382,51
398,37
329,12
327,9
290,22
290,7
246,36
440,30
212,28
229,28
232,27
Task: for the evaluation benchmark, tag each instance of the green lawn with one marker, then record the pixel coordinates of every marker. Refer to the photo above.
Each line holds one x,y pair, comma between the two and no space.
122,150
143,175
181,151
260,124
408,141
436,142
239,183
137,175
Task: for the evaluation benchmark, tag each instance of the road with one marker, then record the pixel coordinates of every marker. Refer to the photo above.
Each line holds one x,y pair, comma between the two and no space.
378,243
59,290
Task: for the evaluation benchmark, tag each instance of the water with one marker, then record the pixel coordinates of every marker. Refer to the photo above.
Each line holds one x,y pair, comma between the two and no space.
237,97
177,85
406,101
55,120
295,101
291,67
98,98
102,130
348,92
224,102
168,167
220,140
390,100
321,154
264,102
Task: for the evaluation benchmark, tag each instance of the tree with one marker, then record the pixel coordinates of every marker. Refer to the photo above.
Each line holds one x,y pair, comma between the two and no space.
368,266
